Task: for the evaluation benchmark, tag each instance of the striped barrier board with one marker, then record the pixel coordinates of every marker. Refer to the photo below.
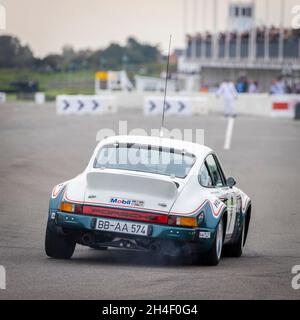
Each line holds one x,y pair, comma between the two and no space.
176,105
80,105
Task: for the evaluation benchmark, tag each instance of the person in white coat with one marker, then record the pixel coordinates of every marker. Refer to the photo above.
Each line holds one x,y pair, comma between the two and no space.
228,92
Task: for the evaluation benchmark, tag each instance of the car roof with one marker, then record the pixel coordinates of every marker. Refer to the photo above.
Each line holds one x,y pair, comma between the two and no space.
200,151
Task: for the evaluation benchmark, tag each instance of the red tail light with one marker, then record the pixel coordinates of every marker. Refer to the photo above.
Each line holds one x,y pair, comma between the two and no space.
78,208
125,214
172,220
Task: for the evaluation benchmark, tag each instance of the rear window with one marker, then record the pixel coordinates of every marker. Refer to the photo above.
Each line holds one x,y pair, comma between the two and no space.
143,158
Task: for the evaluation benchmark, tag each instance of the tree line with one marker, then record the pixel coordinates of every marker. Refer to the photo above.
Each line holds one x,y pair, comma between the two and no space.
133,54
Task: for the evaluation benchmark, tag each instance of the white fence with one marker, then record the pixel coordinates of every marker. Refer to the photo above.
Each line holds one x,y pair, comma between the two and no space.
259,104
85,105
179,105
247,104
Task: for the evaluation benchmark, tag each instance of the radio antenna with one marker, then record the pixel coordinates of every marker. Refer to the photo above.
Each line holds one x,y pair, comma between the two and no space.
165,92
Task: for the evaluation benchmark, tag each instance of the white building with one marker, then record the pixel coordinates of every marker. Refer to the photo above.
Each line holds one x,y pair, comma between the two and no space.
245,49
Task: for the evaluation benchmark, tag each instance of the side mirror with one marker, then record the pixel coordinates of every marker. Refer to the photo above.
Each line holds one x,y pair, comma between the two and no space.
231,182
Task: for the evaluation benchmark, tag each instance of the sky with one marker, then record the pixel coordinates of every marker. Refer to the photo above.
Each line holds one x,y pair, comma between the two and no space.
47,25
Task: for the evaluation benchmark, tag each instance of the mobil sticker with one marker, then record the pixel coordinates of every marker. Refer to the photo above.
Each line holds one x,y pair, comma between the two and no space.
127,202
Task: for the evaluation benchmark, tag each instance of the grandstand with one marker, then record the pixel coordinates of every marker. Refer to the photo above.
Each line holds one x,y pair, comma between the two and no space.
236,46
261,53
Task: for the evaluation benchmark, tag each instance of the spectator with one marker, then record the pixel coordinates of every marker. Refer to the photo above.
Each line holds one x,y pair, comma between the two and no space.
278,86
288,87
296,88
253,87
242,85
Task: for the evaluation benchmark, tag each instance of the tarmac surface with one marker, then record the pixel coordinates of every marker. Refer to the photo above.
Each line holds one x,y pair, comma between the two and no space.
39,149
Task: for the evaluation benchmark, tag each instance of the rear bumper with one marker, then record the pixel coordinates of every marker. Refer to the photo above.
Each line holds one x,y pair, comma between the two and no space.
197,237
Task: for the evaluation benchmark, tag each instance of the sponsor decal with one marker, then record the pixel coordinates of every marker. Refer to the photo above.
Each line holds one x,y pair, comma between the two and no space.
164,205
217,204
127,202
280,106
56,190
204,235
53,215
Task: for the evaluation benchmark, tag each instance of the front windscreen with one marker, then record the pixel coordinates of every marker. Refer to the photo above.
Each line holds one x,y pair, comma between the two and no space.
143,158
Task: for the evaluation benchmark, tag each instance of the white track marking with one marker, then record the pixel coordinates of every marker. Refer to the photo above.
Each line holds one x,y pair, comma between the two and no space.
228,135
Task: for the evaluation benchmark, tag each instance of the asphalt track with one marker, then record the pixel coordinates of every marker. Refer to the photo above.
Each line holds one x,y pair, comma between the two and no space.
39,149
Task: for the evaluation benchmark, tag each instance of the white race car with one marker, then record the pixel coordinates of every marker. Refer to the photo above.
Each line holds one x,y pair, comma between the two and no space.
152,194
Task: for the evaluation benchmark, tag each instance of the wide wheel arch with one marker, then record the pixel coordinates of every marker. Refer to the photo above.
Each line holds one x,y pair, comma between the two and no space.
224,217
247,222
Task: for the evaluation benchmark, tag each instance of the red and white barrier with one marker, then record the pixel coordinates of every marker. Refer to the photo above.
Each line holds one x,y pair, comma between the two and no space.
284,105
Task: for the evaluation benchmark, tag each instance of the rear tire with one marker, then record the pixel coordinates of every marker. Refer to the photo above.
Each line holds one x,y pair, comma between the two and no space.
57,244
213,256
236,249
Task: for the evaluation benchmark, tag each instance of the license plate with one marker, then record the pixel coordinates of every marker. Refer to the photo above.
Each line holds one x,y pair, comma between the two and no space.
122,227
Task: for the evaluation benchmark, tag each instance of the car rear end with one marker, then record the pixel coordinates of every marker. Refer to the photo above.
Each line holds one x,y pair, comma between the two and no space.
129,205
99,226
